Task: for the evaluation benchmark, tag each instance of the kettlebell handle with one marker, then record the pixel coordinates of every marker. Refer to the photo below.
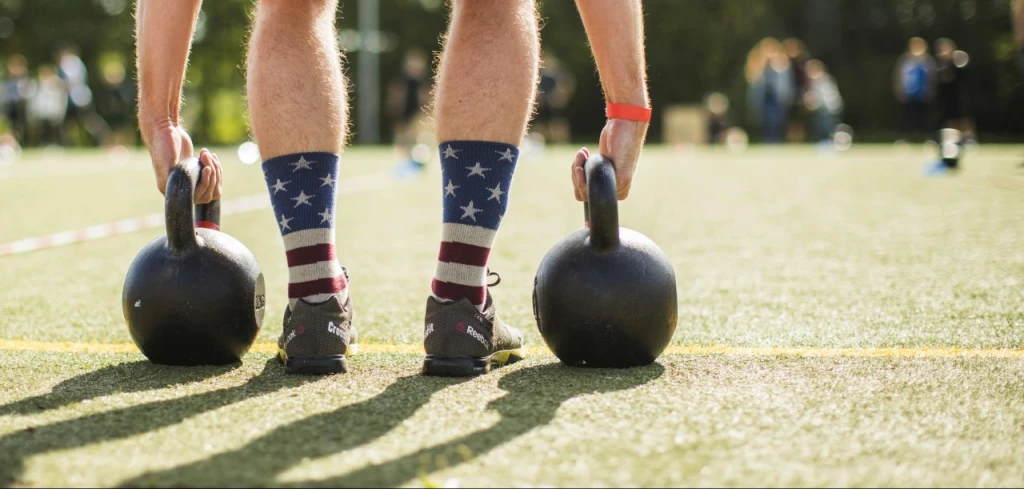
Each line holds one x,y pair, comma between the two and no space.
178,213
601,210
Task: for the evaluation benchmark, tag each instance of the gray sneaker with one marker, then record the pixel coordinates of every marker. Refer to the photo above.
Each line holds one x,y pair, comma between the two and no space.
317,337
461,341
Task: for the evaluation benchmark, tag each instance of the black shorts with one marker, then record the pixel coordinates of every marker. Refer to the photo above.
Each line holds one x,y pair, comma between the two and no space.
950,108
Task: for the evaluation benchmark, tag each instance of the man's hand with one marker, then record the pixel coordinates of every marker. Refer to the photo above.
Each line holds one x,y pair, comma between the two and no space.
621,141
163,33
168,144
615,29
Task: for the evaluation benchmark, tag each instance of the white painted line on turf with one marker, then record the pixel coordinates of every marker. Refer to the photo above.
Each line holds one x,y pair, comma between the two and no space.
696,350
11,172
351,185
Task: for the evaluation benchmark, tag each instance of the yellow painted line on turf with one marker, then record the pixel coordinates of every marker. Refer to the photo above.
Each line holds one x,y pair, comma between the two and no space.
922,352
67,346
713,350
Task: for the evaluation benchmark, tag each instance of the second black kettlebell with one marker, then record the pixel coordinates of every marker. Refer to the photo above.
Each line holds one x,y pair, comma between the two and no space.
195,296
605,296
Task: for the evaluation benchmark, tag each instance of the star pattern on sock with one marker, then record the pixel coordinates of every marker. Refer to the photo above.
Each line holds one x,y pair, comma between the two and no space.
302,199
450,189
328,181
325,216
279,186
506,155
302,164
284,222
449,152
496,193
477,169
470,211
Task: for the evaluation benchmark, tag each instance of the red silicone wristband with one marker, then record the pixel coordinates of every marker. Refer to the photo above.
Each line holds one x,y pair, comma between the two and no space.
628,112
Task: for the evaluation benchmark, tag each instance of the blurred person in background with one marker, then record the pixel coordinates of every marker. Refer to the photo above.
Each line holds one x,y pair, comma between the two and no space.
823,101
1018,33
48,106
81,110
950,94
1018,30
16,87
770,76
408,94
717,107
798,57
72,70
555,89
116,104
913,85
9,148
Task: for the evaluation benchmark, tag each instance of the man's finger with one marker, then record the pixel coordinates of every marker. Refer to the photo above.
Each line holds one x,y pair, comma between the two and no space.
623,189
208,180
220,177
204,191
211,161
198,196
579,186
214,183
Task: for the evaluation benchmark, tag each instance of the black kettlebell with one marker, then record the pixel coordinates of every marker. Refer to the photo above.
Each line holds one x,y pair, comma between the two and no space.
195,296
605,297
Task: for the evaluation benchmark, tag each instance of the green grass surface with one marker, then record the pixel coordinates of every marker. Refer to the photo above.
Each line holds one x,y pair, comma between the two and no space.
773,248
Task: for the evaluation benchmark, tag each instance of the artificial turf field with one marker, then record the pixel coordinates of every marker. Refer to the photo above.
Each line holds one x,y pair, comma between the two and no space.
842,322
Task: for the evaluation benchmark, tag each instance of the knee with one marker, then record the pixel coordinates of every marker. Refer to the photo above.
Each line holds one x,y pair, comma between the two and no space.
494,11
298,7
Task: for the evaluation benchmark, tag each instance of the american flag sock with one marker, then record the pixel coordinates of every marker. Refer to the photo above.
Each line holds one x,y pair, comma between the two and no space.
302,191
476,178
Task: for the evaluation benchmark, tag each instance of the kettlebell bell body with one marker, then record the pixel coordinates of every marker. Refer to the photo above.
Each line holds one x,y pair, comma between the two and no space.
194,296
605,297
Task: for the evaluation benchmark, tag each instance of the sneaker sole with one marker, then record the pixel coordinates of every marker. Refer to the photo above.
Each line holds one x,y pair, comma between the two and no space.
468,366
335,364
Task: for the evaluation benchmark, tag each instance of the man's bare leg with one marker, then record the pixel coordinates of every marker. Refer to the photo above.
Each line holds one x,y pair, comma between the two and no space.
297,93
298,109
487,76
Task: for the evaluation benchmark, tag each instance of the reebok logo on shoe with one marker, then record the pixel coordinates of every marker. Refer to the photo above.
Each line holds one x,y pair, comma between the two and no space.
477,336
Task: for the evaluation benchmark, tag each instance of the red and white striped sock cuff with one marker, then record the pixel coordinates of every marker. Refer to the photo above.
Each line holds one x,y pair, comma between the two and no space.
446,291
461,272
313,270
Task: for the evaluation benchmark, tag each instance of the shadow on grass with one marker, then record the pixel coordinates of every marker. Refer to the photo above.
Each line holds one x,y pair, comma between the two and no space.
114,379
534,396
16,447
351,426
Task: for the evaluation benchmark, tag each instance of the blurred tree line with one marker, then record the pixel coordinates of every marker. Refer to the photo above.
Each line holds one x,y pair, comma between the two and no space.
694,47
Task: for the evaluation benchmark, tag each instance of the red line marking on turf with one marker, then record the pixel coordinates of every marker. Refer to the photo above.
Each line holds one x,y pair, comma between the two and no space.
125,226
